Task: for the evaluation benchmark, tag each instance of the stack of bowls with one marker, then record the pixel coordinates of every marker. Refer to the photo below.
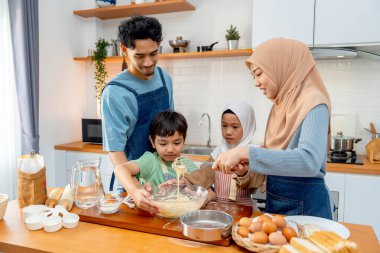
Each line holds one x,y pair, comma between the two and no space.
3,204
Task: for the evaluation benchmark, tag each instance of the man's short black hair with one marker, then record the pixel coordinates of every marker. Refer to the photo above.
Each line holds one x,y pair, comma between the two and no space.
139,27
166,123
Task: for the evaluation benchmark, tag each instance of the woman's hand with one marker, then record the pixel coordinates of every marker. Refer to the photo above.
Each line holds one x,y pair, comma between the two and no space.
242,169
228,161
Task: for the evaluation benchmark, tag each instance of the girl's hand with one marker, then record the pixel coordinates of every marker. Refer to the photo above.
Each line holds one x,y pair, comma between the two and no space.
228,161
242,169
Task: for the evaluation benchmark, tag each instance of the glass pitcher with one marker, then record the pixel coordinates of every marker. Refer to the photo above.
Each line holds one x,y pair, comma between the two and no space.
86,183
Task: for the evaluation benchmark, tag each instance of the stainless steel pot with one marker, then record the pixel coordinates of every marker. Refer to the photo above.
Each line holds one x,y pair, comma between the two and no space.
206,225
340,142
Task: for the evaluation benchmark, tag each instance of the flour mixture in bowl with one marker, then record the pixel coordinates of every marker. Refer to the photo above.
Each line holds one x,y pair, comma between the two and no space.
173,205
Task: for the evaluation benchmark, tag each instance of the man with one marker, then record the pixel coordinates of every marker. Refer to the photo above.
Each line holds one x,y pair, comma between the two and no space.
133,98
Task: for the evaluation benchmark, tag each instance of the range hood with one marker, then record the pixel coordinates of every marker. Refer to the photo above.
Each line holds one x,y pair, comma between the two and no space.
325,53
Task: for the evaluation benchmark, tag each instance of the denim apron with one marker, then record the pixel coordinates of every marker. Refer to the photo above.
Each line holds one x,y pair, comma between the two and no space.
297,196
149,104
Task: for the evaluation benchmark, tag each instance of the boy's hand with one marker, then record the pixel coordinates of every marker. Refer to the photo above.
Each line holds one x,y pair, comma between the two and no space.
171,182
141,197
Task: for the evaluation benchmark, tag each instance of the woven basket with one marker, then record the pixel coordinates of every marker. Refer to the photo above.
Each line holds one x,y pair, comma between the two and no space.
256,247
3,205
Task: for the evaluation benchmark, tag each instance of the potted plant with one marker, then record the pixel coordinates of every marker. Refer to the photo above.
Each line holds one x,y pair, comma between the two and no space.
232,37
99,56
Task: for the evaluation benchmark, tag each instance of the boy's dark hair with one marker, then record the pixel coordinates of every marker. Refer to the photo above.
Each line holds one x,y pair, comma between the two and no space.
166,123
139,27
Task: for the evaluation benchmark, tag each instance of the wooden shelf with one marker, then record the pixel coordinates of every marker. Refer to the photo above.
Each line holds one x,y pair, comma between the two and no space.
143,9
188,55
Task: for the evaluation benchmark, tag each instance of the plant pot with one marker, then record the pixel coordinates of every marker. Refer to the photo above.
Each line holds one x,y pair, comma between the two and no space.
233,44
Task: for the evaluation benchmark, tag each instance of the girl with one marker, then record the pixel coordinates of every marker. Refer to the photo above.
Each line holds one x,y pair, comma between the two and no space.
238,126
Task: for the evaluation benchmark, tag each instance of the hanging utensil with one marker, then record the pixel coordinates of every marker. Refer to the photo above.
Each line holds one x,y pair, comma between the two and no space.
373,129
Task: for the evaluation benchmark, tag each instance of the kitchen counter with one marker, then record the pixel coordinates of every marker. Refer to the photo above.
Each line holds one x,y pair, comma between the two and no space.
367,168
88,237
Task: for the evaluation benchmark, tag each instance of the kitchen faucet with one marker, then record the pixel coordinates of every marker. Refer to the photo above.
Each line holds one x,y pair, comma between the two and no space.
209,128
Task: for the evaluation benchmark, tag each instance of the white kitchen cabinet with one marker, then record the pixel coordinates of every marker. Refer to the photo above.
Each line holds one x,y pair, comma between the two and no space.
362,203
345,22
336,184
282,18
65,160
335,23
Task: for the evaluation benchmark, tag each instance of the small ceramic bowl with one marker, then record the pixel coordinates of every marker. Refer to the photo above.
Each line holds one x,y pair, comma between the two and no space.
109,204
34,222
52,223
70,220
33,209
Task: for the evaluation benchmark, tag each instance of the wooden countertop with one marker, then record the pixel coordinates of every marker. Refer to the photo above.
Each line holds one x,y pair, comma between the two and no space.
367,168
88,237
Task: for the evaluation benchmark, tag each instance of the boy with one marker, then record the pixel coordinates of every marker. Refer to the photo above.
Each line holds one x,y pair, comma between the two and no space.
167,134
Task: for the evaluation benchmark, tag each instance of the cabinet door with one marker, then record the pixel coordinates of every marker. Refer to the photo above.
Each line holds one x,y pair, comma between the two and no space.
282,18
336,184
362,203
345,22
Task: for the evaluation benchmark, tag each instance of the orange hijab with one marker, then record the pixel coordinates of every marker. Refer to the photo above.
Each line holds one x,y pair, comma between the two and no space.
291,66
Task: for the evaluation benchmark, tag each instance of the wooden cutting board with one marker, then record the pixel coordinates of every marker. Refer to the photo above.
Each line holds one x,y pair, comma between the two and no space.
138,220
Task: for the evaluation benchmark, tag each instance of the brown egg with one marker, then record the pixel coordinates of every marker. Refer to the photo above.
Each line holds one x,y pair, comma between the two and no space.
255,226
259,237
243,232
269,227
277,239
264,217
279,220
245,222
289,232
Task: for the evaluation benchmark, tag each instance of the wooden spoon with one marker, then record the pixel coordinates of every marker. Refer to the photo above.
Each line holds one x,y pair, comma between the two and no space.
373,129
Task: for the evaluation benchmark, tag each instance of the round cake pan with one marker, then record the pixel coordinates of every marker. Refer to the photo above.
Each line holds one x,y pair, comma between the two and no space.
206,225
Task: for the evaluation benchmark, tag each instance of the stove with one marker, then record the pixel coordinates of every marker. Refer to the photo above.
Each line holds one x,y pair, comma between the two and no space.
344,157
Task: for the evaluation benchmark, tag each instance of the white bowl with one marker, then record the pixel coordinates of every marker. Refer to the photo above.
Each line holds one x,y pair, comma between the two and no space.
109,204
52,223
70,220
33,209
34,222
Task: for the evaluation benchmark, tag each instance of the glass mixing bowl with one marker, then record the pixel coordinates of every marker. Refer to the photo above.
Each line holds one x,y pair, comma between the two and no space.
190,198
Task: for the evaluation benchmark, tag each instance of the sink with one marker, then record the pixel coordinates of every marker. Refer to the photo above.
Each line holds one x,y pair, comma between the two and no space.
197,150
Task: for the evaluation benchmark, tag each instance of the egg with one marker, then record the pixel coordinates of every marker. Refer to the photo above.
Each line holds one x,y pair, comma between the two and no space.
255,226
243,232
289,232
263,218
245,222
259,237
269,227
279,220
277,239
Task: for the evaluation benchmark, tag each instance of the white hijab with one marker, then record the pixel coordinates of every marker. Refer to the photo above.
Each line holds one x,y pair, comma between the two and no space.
246,115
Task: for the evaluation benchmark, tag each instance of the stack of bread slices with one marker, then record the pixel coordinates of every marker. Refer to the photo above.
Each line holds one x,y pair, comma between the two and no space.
319,241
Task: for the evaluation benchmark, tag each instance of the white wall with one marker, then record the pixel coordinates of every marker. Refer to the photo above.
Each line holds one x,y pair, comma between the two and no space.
62,80
200,85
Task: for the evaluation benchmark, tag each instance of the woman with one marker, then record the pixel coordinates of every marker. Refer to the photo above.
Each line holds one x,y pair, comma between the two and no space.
297,132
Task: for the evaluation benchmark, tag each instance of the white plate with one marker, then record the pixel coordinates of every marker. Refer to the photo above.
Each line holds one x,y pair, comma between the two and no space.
322,223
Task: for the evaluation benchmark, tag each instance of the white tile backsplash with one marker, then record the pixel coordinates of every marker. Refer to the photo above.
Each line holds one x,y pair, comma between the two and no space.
208,85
